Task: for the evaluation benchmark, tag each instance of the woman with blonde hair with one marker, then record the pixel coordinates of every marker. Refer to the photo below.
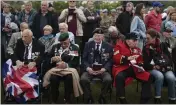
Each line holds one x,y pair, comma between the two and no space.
47,39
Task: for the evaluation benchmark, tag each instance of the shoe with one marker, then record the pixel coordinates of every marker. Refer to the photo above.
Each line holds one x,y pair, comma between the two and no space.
123,101
172,101
157,100
102,100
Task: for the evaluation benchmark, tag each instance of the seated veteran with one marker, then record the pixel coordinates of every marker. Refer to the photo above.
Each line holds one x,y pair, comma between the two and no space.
127,65
28,51
97,62
64,58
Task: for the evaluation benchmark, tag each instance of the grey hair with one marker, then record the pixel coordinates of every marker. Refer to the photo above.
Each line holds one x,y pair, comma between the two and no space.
44,2
112,29
28,2
63,24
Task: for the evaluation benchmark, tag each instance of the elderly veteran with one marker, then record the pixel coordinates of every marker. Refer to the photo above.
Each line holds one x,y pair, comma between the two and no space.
64,61
97,62
128,65
28,51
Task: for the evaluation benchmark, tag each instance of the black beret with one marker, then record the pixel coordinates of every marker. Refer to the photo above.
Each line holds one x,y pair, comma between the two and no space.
63,36
98,31
50,5
131,35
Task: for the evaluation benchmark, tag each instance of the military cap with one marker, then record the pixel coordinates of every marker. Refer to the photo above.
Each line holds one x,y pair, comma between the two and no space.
98,31
131,35
63,36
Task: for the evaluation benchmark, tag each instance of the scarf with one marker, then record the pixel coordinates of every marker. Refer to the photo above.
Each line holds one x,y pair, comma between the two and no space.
155,47
46,37
7,18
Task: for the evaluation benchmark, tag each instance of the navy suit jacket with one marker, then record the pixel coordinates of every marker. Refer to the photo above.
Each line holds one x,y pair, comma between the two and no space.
106,55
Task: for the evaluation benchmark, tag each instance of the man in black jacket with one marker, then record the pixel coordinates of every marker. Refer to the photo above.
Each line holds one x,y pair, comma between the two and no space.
97,61
63,55
28,51
43,18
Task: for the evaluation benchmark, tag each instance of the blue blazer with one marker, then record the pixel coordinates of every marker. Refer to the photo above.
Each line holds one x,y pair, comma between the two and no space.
106,55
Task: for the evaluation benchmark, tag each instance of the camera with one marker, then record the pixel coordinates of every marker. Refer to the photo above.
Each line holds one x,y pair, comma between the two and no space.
164,62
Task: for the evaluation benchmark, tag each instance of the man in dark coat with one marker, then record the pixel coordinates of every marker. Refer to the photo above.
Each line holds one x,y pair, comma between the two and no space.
43,18
69,54
97,61
28,51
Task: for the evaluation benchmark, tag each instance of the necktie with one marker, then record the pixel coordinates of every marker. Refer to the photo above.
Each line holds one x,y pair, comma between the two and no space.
26,53
96,54
97,47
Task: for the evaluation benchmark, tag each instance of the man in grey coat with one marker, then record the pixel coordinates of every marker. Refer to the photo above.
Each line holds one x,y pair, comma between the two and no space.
15,36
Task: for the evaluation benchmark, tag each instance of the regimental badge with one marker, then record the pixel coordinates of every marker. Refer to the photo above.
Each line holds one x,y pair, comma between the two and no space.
103,50
135,51
117,52
36,53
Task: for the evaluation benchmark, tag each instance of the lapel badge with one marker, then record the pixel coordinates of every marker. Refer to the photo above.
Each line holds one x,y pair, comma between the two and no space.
135,51
103,50
117,52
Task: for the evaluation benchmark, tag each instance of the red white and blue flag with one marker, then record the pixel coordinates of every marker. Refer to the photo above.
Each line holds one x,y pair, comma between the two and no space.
20,81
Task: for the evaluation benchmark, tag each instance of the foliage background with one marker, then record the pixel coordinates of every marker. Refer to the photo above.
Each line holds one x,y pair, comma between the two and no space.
60,5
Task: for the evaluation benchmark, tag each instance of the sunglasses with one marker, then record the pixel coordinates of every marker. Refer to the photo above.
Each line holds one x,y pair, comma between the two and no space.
72,1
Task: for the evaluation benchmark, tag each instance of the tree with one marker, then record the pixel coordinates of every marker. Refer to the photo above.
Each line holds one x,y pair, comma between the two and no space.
36,5
60,5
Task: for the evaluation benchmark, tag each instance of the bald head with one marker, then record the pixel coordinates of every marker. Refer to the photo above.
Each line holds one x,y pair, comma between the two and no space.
27,36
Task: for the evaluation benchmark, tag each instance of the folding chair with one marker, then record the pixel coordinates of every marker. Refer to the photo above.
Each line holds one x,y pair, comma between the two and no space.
96,80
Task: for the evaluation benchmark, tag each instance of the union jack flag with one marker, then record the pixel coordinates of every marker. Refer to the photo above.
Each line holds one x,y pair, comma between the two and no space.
20,81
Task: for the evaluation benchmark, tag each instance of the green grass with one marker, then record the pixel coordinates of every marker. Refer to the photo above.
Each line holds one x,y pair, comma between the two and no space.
132,95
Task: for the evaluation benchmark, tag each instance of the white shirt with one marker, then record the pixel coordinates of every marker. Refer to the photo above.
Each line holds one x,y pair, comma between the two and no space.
30,51
99,46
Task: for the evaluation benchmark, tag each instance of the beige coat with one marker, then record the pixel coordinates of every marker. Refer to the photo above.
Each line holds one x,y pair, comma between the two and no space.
62,72
80,19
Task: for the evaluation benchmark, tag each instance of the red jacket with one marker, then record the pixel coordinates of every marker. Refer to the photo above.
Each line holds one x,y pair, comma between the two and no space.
153,21
120,50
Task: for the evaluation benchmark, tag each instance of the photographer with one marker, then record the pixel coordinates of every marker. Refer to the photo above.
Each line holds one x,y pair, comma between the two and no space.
157,60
